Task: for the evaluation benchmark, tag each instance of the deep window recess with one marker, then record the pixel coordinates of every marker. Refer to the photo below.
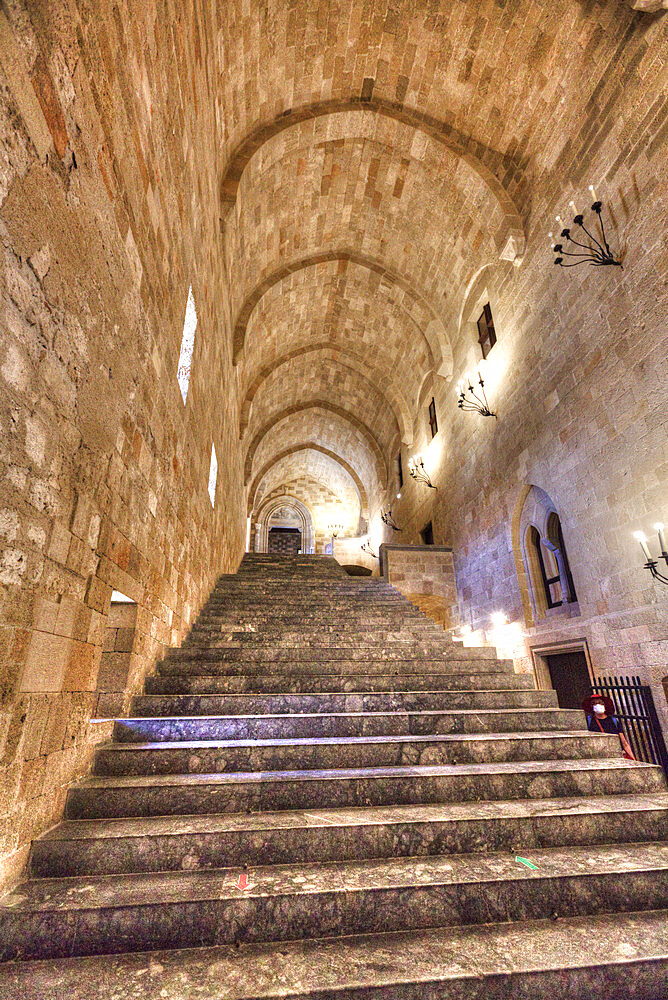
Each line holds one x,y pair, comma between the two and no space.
427,534
400,471
187,346
213,476
433,423
486,331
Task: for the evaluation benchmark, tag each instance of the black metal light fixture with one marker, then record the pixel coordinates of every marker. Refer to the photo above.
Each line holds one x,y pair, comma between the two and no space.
334,529
386,518
597,252
471,398
417,472
651,564
366,547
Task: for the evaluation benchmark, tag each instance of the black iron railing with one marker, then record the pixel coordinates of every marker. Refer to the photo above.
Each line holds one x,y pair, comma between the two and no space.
634,707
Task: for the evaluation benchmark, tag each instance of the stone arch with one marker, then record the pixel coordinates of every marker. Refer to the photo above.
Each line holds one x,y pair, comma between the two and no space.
452,139
540,553
318,404
353,361
434,331
309,445
304,515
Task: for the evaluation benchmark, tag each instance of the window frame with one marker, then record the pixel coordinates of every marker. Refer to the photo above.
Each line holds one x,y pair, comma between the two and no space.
489,331
432,418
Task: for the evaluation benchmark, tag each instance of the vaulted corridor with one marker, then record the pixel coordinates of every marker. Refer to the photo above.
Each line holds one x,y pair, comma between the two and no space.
333,499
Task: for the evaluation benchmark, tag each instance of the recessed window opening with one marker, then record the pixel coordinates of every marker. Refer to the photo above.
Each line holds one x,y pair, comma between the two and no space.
118,598
213,476
433,423
400,471
187,346
486,331
427,534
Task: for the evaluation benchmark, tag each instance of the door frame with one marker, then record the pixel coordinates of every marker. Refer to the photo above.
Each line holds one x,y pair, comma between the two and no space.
540,653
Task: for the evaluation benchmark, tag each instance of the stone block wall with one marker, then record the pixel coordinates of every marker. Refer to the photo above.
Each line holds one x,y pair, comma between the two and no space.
425,575
108,214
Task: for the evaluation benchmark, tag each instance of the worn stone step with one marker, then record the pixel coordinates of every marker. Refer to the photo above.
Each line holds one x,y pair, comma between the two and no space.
616,956
210,638
82,916
173,843
290,667
135,791
366,723
334,683
411,652
384,751
330,702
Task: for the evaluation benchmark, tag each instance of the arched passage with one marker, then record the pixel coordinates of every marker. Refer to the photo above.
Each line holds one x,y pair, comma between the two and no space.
323,405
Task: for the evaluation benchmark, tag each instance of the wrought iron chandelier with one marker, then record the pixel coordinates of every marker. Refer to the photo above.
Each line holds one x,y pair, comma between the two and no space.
334,529
366,547
474,399
386,518
417,472
651,564
597,252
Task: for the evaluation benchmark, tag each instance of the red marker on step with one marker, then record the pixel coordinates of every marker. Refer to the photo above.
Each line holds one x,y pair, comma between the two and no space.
242,883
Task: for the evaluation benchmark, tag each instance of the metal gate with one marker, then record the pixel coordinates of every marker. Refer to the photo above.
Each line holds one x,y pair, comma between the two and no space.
634,707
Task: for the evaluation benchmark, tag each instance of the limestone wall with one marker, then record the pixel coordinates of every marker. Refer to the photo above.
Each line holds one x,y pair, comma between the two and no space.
425,575
108,213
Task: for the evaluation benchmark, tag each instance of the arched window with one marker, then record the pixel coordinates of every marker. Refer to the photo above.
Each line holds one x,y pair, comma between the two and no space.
546,567
555,538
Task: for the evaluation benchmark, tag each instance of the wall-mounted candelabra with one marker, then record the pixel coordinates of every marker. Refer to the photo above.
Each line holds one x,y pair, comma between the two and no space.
651,563
417,472
597,252
471,397
334,529
386,518
366,547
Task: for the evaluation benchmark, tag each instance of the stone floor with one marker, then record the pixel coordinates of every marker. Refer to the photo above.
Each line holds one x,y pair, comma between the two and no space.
320,795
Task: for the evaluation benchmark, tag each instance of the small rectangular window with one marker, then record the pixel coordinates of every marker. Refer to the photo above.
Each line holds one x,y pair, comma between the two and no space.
400,471
427,534
213,476
433,423
486,331
187,346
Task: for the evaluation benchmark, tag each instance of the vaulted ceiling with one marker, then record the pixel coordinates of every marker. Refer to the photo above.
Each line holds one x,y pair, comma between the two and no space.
374,159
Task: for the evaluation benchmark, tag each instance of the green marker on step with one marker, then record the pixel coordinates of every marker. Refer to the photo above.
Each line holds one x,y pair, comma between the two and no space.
523,861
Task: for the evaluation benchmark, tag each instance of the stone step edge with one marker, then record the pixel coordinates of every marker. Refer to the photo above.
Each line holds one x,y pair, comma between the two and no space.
297,741
348,817
592,952
540,767
287,716
324,877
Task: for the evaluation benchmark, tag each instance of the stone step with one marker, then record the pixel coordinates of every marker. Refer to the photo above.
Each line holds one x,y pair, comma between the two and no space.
323,636
616,956
177,843
390,751
53,918
128,786
334,683
330,702
411,651
290,666
387,723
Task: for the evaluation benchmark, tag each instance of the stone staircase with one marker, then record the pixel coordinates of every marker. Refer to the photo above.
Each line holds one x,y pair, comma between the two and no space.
374,782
